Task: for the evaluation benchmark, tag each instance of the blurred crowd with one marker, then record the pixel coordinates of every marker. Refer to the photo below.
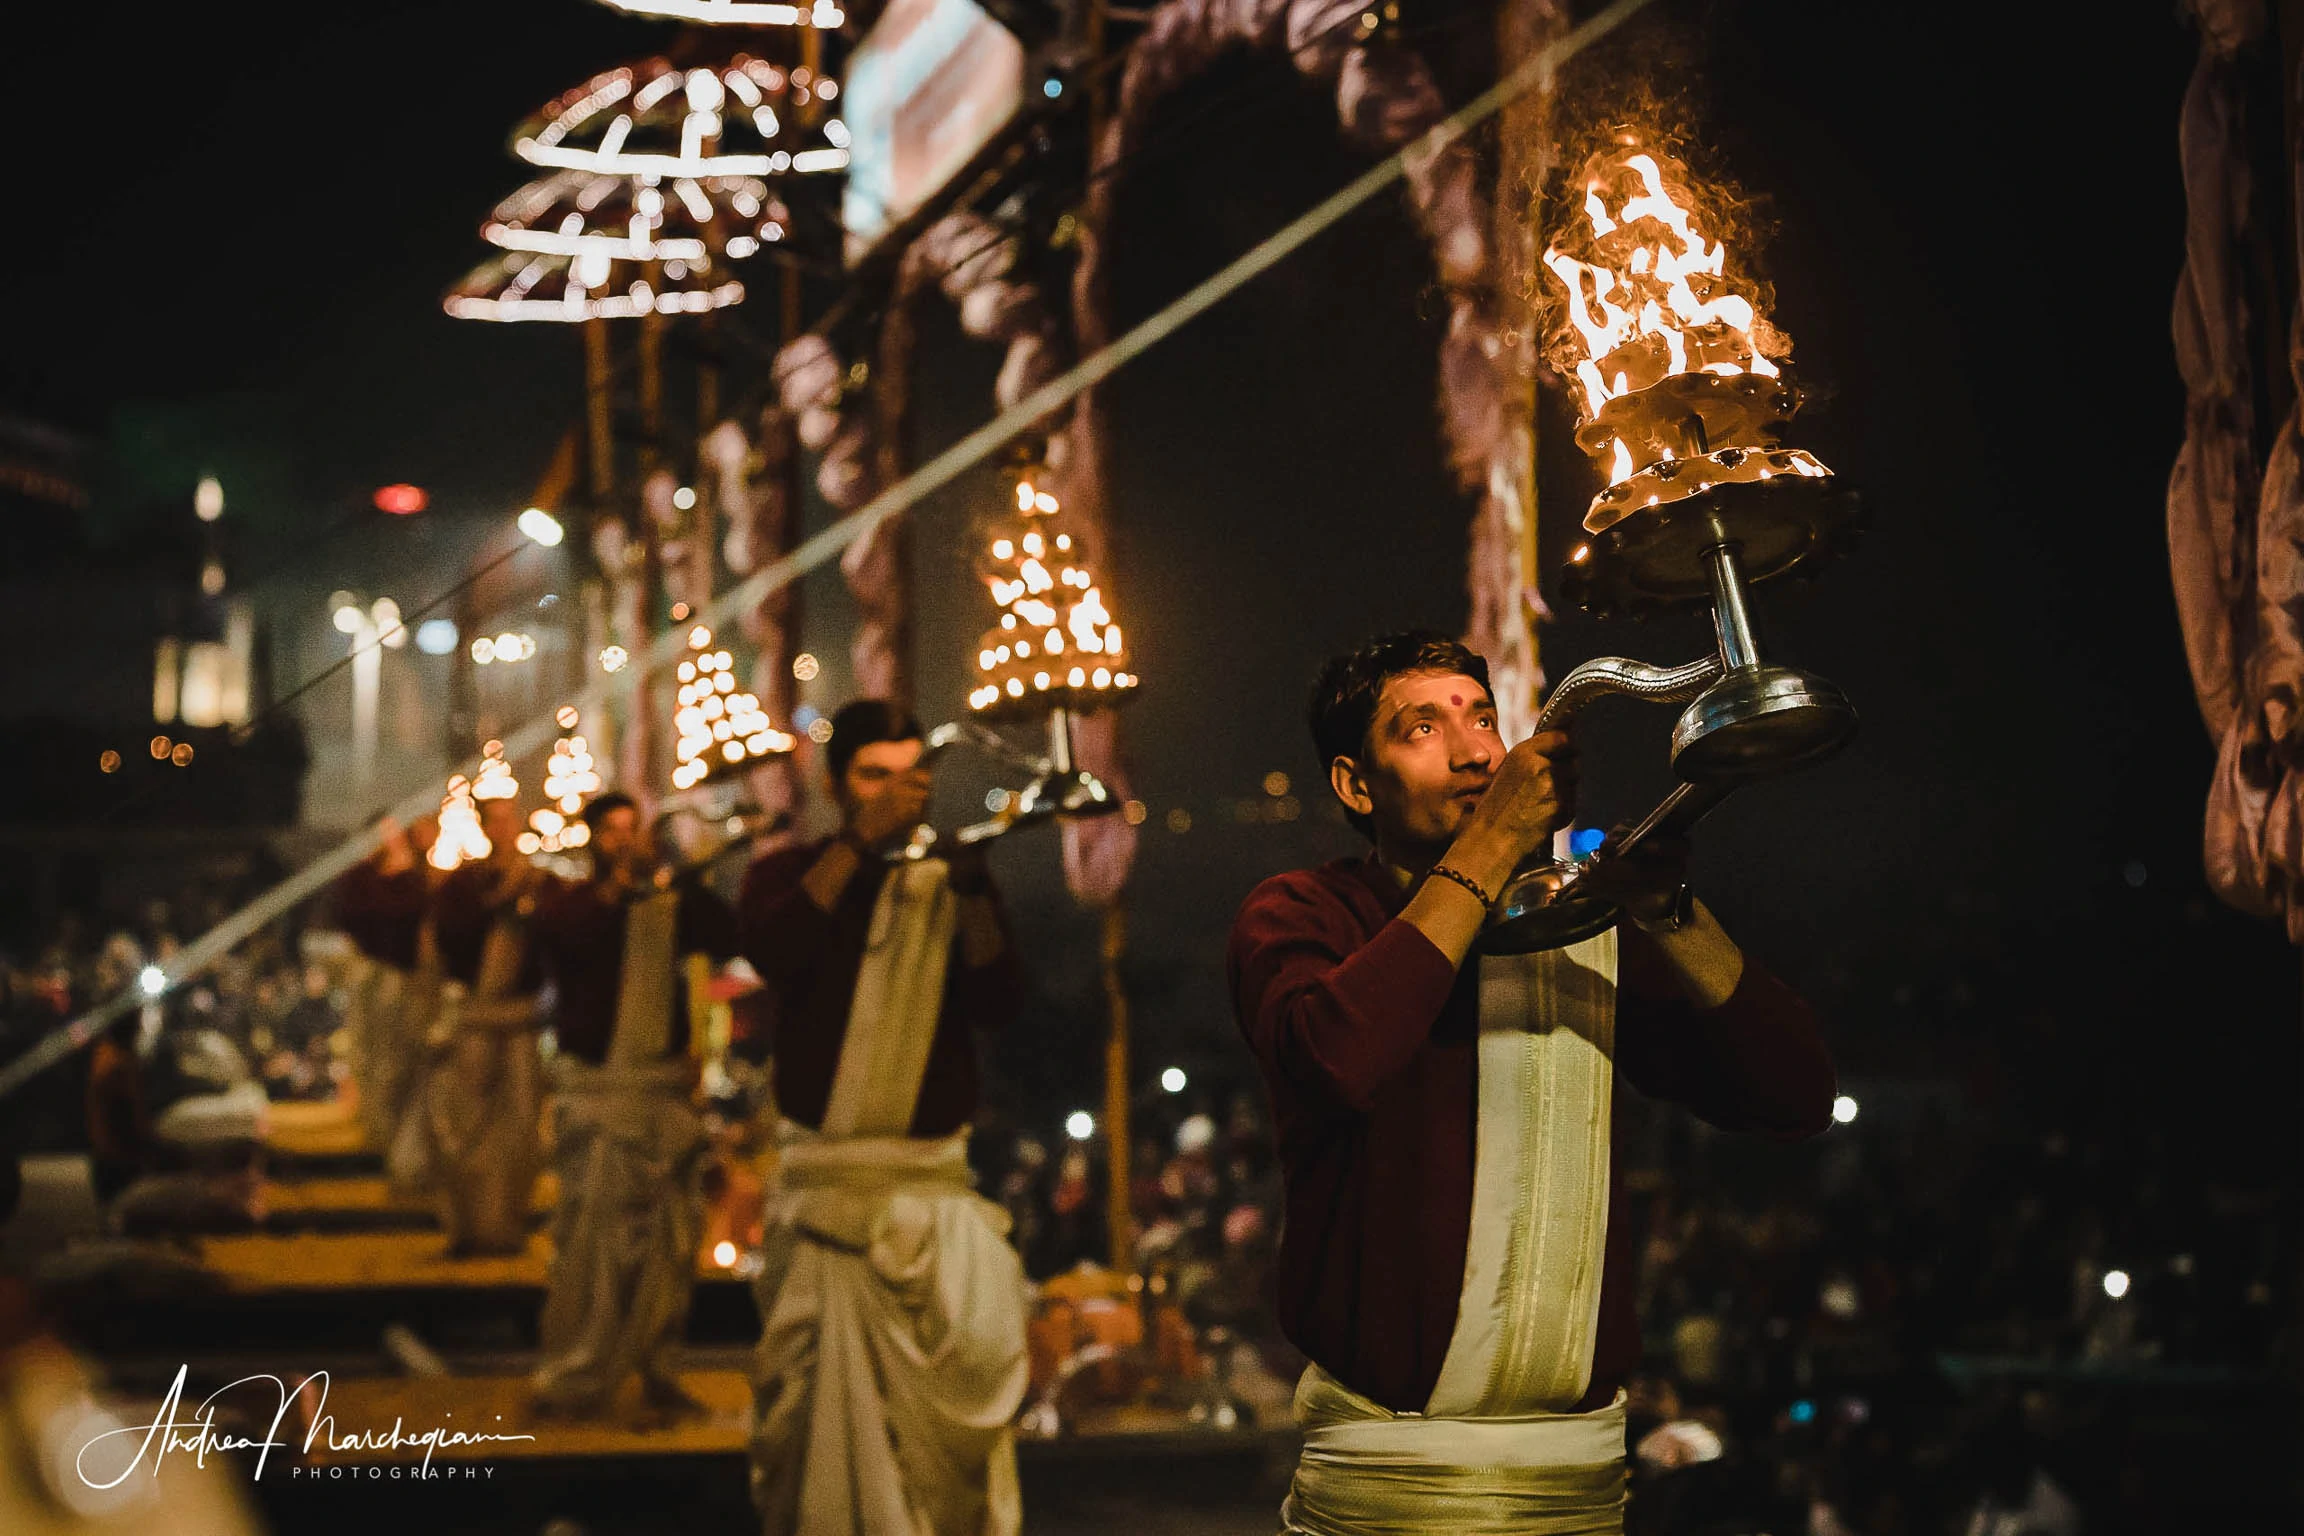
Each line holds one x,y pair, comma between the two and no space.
1933,1319
269,1012
1976,1313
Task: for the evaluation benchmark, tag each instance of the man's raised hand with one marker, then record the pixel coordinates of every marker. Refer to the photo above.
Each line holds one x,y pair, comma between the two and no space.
1533,792
890,816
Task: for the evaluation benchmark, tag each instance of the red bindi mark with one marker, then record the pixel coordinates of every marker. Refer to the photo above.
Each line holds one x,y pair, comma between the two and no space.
1456,698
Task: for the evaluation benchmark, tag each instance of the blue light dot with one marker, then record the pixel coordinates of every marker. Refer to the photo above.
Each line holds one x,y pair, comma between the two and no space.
806,715
1585,839
1054,88
436,637
1804,1412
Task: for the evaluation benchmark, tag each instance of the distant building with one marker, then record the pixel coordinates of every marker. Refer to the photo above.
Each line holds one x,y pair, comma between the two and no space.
134,675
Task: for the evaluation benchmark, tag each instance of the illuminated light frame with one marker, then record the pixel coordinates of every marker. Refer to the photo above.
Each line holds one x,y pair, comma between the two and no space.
535,218
498,290
543,139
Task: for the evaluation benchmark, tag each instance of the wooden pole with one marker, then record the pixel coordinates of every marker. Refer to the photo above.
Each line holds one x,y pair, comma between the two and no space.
707,375
601,606
1120,1221
651,392
640,740
599,414
1119,1134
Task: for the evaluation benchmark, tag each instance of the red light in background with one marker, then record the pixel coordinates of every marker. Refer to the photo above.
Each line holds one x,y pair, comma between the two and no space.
400,500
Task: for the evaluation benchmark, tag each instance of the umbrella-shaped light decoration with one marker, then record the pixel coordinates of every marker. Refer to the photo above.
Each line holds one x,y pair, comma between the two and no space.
654,118
520,285
682,222
743,13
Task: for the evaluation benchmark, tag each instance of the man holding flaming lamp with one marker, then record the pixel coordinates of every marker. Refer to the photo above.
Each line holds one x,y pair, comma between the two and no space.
1452,1262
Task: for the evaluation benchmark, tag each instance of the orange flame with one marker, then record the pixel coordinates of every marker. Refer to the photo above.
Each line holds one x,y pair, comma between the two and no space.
1654,299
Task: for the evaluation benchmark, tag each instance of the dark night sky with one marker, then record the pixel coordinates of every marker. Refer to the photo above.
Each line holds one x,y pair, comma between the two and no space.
1975,244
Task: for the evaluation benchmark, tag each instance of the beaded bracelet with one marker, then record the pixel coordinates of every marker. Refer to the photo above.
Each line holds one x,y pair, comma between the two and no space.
1443,872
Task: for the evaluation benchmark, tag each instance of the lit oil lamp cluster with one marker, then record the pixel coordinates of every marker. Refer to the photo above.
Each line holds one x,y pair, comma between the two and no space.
1683,387
460,835
570,777
1057,645
1684,406
720,727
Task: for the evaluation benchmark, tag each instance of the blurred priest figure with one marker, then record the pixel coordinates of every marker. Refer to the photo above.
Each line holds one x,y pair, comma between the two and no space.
892,1356
628,1142
382,904
473,1140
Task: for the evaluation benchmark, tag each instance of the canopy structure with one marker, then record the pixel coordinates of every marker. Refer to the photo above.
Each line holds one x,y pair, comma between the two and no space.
524,285
821,14
747,117
683,224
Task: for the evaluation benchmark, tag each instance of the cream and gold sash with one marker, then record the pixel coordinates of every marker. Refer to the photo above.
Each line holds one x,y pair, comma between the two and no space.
893,1012
644,989
1367,1471
1529,1313
1497,1449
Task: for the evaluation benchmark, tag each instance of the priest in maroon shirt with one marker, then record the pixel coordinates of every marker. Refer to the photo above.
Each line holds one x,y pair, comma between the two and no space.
1453,1262
891,1359
628,952
382,904
472,1141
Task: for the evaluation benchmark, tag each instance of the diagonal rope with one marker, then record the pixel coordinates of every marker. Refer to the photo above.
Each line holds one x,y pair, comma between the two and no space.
938,472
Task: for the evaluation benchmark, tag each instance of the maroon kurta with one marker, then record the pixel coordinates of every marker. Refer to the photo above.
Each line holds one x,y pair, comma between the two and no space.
576,931
469,900
809,958
383,914
1367,1039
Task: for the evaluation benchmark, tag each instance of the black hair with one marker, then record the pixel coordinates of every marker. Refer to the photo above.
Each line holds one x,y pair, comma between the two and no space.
1343,706
860,724
597,812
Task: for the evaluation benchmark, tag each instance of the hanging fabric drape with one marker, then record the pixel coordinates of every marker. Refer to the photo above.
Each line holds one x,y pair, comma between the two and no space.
2236,531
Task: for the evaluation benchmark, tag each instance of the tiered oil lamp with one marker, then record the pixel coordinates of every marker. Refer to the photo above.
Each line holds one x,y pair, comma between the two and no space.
722,729
1685,405
570,778
1056,651
460,836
